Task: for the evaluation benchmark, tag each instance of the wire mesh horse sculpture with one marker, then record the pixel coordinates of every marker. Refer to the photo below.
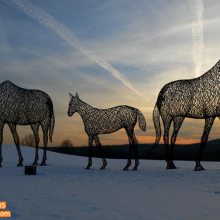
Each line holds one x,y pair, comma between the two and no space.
20,106
197,98
105,121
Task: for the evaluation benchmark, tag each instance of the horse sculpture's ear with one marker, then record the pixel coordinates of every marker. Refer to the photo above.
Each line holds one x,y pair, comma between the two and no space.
71,96
77,96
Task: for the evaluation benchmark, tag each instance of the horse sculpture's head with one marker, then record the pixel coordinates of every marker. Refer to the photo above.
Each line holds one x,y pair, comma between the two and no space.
73,104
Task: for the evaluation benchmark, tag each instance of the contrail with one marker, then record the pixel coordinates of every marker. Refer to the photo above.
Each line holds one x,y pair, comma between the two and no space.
197,33
60,29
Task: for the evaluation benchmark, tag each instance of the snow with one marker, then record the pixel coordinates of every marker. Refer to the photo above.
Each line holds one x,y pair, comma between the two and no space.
65,190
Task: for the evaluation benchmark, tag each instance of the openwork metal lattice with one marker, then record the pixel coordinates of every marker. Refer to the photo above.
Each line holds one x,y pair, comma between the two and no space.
197,98
105,121
20,106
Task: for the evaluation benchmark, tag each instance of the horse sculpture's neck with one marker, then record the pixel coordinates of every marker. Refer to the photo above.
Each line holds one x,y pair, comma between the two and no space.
213,73
84,109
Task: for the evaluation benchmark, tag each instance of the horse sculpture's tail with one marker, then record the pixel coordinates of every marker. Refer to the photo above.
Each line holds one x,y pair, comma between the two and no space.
156,119
141,121
51,128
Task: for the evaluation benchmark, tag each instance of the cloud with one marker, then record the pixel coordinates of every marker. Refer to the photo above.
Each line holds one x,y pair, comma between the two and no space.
60,29
151,49
197,33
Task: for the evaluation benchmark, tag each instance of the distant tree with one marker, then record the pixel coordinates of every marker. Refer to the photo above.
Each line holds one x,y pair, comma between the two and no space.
66,143
28,140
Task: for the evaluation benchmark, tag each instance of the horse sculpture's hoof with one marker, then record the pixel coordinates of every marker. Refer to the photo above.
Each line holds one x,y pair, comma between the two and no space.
104,165
126,168
20,164
35,163
88,167
135,168
171,166
43,163
199,168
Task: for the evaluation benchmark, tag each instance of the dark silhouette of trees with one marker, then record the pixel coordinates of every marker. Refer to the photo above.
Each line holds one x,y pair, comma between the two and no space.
28,140
66,143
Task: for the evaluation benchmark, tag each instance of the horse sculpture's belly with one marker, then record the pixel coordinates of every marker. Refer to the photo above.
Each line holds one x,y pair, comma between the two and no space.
189,98
109,121
23,113
20,119
204,108
102,128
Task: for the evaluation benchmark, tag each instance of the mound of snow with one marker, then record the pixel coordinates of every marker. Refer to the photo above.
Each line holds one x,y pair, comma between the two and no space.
65,190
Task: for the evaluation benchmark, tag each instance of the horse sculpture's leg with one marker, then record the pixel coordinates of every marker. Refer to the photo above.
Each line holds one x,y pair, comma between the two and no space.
45,127
90,152
1,140
130,137
129,156
177,124
135,145
17,143
35,128
98,144
204,139
167,122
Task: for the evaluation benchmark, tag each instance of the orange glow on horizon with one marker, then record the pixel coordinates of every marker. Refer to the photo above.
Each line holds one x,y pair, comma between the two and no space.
151,139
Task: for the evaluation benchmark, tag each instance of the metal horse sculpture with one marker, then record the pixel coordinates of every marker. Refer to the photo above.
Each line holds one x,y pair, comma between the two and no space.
20,106
197,98
105,121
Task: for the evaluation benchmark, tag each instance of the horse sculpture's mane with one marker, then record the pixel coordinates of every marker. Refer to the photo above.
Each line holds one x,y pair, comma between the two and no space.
214,71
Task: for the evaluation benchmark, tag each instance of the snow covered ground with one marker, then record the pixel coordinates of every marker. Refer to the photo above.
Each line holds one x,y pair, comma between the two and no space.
64,190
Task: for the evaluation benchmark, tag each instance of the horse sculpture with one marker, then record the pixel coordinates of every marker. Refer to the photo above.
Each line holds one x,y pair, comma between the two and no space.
197,98
20,106
105,121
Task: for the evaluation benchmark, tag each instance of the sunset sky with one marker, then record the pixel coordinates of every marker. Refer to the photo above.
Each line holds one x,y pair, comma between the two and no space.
111,52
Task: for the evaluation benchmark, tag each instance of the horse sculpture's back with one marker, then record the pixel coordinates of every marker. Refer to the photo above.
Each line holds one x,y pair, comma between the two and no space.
23,106
19,106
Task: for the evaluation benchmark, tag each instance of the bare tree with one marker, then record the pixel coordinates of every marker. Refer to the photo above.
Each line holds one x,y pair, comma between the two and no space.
66,143
28,140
